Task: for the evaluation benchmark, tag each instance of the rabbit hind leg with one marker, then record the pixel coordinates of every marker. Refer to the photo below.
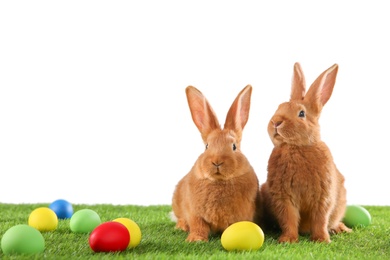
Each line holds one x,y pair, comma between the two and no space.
182,224
340,228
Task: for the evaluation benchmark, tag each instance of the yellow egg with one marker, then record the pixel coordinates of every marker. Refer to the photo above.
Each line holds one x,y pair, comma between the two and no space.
43,219
243,235
134,230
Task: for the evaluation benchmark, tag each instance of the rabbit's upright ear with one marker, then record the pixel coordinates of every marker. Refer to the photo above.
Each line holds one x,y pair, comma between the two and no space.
298,84
321,89
238,114
202,113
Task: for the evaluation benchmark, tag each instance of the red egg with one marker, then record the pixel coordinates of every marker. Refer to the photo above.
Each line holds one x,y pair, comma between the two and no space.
109,237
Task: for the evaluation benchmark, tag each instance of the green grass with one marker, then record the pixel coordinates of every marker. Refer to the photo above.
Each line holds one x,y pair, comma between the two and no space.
161,241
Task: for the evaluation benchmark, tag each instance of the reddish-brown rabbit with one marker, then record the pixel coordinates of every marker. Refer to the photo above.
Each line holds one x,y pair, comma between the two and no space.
304,191
222,187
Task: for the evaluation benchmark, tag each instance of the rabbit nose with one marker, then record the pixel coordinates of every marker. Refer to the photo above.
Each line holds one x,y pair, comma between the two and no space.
277,123
217,164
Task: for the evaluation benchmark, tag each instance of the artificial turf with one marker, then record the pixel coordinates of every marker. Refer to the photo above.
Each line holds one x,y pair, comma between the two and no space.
160,240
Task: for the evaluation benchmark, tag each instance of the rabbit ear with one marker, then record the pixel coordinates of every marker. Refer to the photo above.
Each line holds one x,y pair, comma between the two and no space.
238,114
322,88
202,113
298,86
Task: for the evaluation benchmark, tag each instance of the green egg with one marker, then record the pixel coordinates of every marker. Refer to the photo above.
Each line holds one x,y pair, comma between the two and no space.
356,216
84,221
22,239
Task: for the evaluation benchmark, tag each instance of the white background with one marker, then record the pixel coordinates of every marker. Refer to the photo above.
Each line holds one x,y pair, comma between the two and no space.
92,93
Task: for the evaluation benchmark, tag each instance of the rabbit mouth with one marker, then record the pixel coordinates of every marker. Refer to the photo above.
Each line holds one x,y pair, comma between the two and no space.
218,176
277,135
216,173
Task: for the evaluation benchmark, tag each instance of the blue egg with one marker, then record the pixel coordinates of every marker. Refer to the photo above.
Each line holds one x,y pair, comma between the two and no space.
62,208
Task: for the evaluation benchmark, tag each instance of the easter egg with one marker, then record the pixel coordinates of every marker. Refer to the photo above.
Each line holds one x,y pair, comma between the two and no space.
242,235
22,239
43,219
134,230
84,221
109,237
62,208
356,215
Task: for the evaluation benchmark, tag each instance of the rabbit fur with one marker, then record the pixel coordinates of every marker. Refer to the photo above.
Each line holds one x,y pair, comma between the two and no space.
222,187
304,191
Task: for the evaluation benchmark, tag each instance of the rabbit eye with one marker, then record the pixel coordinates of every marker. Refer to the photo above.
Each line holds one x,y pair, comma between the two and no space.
234,147
207,146
301,113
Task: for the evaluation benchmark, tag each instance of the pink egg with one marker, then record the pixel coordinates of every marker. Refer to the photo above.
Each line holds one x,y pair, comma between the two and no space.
109,236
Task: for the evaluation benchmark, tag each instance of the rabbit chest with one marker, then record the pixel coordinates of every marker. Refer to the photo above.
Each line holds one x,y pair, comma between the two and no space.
221,203
299,173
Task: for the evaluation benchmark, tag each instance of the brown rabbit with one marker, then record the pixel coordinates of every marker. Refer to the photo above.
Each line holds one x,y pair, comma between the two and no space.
222,187
304,191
